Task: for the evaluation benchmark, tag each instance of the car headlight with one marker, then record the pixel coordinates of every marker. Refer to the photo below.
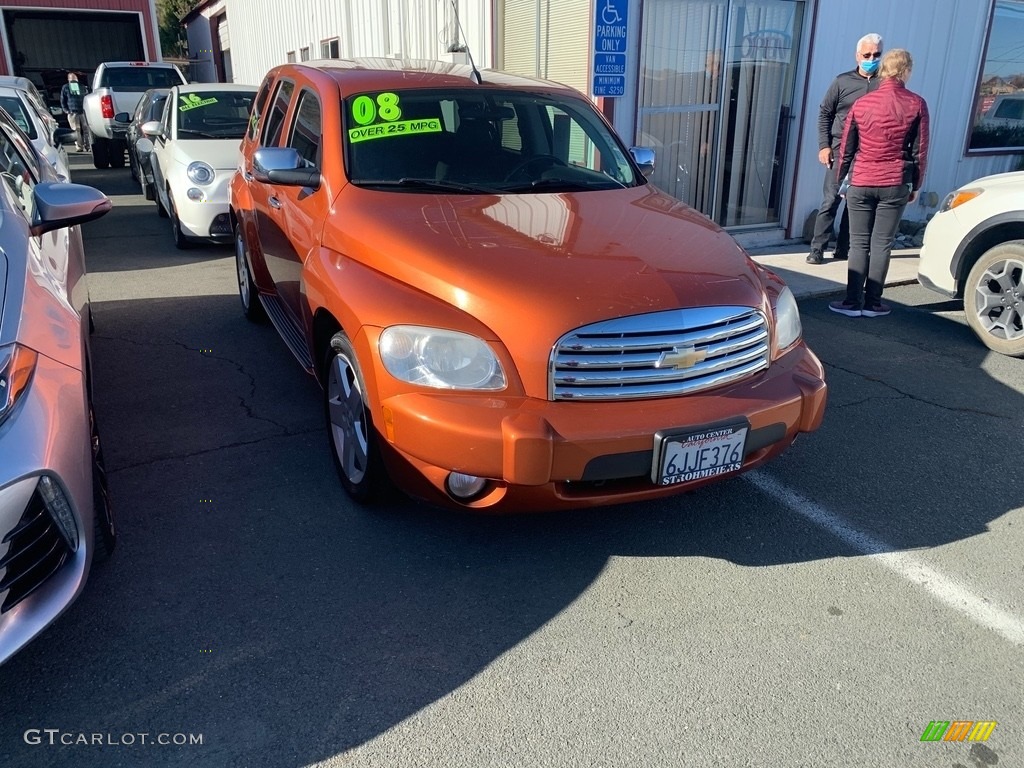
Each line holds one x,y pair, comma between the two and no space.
434,357
787,320
958,197
200,173
17,363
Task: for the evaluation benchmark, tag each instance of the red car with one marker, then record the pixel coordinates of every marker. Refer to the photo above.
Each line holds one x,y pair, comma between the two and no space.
503,313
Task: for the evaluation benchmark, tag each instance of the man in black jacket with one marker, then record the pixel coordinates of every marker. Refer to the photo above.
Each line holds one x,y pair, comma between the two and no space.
72,96
845,89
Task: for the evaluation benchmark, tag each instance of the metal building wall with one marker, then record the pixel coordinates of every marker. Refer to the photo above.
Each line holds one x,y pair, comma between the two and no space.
264,31
946,39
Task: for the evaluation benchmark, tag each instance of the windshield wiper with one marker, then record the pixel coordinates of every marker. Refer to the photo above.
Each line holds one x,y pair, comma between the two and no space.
429,184
563,185
198,133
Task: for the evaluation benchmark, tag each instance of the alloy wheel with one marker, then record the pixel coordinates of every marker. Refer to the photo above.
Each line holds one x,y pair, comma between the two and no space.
347,413
999,299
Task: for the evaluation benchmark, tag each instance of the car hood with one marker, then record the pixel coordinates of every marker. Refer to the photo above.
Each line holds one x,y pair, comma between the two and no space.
219,154
560,260
1014,179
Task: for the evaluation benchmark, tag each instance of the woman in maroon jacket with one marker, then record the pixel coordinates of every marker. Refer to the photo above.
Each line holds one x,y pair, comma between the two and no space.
885,151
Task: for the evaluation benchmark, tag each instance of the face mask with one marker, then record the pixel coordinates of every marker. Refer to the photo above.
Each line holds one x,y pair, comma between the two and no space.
73,87
869,67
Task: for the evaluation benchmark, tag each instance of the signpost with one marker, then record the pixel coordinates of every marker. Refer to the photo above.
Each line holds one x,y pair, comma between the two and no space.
608,73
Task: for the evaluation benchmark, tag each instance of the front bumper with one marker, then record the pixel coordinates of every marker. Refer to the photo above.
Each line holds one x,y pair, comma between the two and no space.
549,455
935,268
209,218
47,434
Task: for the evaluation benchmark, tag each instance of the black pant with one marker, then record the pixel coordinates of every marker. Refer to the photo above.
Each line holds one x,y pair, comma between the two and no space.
874,217
825,221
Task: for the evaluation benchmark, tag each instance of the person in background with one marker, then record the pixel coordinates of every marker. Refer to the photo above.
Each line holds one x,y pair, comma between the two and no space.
72,97
886,141
844,91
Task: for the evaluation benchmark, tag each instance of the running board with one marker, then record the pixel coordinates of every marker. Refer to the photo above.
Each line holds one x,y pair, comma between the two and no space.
293,339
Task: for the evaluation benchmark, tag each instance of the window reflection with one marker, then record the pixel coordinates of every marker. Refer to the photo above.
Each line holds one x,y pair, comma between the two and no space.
998,122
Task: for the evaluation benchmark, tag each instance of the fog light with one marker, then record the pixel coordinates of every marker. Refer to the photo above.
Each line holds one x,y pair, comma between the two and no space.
196,195
464,486
57,505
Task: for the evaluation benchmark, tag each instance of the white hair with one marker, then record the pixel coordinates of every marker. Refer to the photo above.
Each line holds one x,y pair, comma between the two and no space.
872,38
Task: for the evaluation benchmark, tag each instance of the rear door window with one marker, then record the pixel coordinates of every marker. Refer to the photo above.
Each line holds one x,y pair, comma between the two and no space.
278,111
259,106
306,129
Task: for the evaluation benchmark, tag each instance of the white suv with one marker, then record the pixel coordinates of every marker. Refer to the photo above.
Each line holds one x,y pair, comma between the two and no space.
974,249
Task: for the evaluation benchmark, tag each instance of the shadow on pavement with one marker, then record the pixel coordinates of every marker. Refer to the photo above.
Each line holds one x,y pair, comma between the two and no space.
249,600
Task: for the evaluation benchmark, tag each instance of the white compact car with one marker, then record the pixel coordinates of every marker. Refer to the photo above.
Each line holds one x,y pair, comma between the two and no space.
194,151
974,248
40,127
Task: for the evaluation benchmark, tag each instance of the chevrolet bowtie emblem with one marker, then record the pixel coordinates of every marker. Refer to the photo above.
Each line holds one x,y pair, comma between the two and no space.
687,357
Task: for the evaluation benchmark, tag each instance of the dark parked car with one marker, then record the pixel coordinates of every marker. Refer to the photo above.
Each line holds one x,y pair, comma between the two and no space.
151,106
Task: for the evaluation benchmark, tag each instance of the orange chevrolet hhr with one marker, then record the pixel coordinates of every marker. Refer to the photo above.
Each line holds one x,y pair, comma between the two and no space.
503,313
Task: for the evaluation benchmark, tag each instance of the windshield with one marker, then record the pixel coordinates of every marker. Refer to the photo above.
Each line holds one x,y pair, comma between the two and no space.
473,140
16,109
139,78
214,114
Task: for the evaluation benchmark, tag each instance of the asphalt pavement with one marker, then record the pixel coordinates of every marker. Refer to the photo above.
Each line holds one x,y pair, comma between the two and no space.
820,611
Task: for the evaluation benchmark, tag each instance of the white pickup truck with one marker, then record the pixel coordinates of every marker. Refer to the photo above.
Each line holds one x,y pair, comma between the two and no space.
117,87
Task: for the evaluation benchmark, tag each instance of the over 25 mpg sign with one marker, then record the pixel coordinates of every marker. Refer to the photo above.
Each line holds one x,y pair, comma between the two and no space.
609,69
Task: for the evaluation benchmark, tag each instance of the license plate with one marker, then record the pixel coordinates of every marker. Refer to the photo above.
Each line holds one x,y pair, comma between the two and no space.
709,452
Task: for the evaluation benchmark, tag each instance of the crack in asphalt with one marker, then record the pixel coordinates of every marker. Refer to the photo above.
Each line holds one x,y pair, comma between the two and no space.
909,396
239,444
243,401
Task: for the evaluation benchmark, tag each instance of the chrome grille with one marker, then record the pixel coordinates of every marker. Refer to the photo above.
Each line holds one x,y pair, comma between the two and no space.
663,354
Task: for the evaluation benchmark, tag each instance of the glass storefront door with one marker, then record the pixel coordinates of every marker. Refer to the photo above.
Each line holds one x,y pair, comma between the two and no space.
716,94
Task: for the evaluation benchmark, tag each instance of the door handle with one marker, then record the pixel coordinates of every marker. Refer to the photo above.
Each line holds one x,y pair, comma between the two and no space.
274,202
247,176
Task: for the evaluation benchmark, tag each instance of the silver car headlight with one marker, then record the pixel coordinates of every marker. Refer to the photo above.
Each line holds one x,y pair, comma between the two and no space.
17,364
438,358
200,173
787,320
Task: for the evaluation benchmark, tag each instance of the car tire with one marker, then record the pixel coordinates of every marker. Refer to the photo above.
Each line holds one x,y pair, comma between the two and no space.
104,532
160,210
131,169
350,432
101,153
181,241
994,298
117,153
252,307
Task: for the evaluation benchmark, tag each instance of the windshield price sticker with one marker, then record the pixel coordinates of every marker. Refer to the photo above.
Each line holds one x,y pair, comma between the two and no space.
401,128
193,100
700,455
380,116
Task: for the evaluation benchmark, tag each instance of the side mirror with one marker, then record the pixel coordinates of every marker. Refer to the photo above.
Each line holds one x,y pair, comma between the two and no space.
151,128
60,205
285,166
63,136
644,157
122,117
144,147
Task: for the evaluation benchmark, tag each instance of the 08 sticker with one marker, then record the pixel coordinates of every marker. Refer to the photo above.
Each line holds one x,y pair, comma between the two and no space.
380,116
